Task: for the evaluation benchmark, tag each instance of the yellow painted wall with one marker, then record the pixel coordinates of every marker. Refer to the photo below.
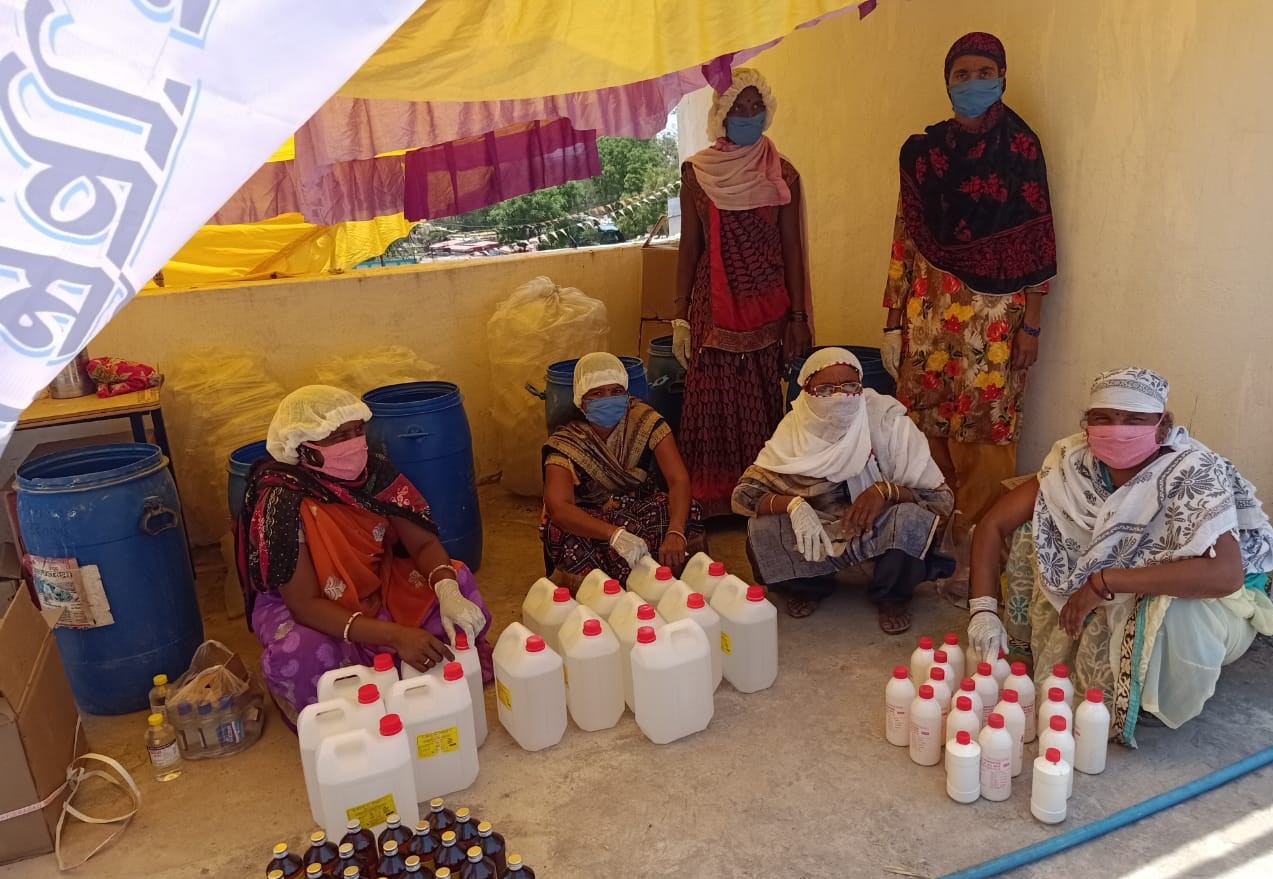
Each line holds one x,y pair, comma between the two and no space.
1158,132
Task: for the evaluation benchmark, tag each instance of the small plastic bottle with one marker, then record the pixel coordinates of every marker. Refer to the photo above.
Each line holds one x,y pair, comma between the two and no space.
424,844
187,725
898,696
347,858
465,829
1047,791
394,830
925,728
1020,681
322,853
229,727
963,768
493,846
392,864
1060,677
516,869
441,819
208,736
159,694
968,687
1054,705
954,655
921,659
1001,668
1059,736
1014,722
996,759
941,692
987,689
478,865
942,661
286,862
964,716
363,842
162,747
450,855
1091,733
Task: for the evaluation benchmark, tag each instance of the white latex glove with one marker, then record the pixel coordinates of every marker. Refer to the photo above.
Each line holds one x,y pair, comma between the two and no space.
812,539
681,342
456,610
986,633
891,352
628,545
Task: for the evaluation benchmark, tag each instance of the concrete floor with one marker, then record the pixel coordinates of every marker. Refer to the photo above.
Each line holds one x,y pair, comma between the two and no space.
796,781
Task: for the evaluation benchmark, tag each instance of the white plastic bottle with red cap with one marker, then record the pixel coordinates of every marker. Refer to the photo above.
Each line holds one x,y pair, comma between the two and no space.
1054,705
925,728
968,687
954,655
695,608
941,692
367,775
987,689
921,659
1014,721
748,635
1047,788
466,655
963,767
672,681
1001,668
384,674
343,682
594,674
437,714
1059,735
964,716
631,614
530,690
600,592
996,759
1020,681
898,696
1060,677
1091,733
545,608
318,722
650,580
703,575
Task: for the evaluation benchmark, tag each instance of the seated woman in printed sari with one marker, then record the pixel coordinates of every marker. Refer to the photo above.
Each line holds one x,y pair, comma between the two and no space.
1148,555
615,487
340,557
846,478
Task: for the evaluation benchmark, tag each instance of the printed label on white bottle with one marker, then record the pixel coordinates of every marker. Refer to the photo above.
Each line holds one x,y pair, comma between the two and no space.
921,739
164,755
996,774
898,719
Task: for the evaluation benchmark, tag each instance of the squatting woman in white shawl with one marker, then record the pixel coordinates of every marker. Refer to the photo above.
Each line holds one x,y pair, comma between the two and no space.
1150,557
847,477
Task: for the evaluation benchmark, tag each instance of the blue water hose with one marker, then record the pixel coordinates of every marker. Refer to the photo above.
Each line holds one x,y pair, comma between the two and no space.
1079,835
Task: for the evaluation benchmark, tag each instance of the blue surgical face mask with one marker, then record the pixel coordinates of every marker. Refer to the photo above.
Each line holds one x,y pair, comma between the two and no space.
973,97
606,411
745,130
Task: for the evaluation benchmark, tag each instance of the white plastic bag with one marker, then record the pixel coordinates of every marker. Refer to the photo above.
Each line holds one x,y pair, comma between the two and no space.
538,325
373,368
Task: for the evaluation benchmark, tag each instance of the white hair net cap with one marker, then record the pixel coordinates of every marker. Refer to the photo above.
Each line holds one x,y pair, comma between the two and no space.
744,77
308,415
824,357
596,370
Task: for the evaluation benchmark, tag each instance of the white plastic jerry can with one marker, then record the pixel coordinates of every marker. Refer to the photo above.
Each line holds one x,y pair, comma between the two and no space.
467,657
343,683
437,714
600,592
367,776
748,635
544,610
694,607
594,676
650,580
672,681
530,690
317,722
631,614
703,575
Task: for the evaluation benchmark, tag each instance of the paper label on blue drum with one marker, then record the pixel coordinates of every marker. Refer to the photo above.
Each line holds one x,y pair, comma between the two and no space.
77,591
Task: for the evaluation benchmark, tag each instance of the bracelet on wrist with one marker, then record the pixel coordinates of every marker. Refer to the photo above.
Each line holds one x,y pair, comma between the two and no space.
896,329
799,317
1031,331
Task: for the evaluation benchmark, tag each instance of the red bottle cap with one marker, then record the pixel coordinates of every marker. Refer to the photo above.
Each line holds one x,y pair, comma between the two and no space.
1056,694
1061,670
964,703
390,725
1057,723
561,595
937,673
963,736
755,593
645,635
461,640
1011,696
951,639
984,669
382,662
926,691
1053,755
368,693
939,655
694,601
645,612
1096,695
968,685
534,644
662,572
592,628
1018,668
925,642
716,569
995,721
453,671
899,672
611,587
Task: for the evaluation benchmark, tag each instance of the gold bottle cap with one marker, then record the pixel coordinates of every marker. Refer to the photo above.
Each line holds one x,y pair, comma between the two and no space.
318,837
461,814
314,870
484,828
475,853
280,849
442,873
514,860
436,804
448,838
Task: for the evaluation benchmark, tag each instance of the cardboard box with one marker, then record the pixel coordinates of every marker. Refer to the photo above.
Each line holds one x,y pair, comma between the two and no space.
38,729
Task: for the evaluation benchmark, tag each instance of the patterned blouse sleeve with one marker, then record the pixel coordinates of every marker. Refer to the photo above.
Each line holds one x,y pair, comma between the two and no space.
751,488
901,264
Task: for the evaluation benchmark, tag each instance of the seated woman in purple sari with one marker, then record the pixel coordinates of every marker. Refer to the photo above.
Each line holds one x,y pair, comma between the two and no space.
340,558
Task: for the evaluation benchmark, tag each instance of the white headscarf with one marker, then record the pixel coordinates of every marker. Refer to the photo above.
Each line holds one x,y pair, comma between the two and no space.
596,370
310,414
1131,389
723,102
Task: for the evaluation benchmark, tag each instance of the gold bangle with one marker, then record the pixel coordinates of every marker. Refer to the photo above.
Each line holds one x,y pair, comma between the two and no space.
883,496
679,534
349,622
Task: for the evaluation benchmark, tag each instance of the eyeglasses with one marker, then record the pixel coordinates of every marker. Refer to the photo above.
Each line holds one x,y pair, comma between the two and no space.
851,389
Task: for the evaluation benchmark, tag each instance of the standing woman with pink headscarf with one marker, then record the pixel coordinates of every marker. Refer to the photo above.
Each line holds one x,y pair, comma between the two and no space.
742,307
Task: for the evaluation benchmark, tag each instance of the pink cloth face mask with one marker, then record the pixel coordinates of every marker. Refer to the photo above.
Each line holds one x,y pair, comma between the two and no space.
1123,446
344,460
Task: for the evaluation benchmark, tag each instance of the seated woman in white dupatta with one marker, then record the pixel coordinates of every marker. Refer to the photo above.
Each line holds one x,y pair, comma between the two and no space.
1150,556
846,478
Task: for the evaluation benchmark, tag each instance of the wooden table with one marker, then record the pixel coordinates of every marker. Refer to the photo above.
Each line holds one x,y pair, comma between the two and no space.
48,412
